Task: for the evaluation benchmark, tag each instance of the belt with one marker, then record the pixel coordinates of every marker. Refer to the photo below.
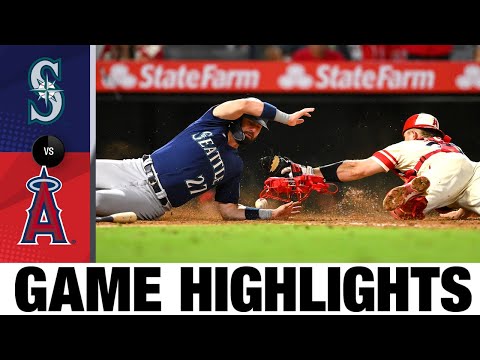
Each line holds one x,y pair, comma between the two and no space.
154,182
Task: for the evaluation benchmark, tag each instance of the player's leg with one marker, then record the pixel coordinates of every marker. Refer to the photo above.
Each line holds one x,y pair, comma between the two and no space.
122,185
449,177
112,174
400,195
142,202
413,209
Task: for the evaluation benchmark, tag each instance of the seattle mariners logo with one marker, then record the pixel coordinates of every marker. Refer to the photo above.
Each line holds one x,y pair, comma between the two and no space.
47,90
43,214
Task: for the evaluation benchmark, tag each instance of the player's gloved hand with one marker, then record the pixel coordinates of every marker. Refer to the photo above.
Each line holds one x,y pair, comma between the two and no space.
279,166
296,170
273,165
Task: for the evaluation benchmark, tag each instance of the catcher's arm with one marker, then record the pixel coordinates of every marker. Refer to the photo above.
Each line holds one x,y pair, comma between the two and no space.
347,170
234,109
230,211
350,170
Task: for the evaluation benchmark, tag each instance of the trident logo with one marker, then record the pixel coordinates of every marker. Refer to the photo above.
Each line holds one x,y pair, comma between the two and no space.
47,90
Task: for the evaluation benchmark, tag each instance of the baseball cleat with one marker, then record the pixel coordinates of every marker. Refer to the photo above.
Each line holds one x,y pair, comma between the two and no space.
399,195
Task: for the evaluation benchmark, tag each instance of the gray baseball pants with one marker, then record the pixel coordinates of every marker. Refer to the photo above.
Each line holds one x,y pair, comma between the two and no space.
122,185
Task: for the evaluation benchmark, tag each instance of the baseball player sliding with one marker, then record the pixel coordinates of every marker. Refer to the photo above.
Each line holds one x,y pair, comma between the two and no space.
437,174
202,157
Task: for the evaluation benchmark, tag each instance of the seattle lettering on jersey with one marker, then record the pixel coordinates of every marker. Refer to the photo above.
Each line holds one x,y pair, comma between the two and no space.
206,143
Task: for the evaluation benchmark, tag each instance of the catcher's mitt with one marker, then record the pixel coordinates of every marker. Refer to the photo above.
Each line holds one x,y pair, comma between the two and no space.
278,166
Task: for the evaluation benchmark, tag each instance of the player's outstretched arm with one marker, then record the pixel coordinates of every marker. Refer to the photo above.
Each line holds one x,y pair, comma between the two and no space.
238,212
350,170
234,109
342,171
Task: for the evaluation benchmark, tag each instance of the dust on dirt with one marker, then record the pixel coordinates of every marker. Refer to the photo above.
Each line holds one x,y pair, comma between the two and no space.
355,207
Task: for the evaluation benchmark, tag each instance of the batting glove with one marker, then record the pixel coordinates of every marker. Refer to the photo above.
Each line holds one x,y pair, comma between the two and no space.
297,169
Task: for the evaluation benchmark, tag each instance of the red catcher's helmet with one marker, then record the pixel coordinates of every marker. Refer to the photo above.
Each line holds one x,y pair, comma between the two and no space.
423,121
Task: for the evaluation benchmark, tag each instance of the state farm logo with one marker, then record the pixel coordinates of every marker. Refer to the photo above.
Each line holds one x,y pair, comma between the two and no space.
335,77
470,79
118,76
176,76
206,76
295,76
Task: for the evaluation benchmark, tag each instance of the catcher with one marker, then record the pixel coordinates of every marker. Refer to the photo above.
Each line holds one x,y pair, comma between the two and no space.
436,172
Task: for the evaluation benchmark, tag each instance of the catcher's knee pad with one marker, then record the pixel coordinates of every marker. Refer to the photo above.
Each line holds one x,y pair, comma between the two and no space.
411,210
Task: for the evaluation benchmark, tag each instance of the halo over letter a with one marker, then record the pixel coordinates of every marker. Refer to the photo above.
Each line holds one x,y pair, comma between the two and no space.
43,214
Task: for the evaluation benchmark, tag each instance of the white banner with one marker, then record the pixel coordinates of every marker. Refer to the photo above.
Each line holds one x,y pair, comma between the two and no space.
250,288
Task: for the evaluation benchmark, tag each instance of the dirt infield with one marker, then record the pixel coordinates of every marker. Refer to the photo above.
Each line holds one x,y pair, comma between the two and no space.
336,214
349,220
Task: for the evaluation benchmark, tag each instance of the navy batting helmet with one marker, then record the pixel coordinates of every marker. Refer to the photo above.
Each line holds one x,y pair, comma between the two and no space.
236,127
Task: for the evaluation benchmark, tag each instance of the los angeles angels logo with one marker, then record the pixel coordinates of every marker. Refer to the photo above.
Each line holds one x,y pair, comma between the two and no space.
43,217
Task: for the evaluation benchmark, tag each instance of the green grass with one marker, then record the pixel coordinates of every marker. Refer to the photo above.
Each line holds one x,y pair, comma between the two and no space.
269,243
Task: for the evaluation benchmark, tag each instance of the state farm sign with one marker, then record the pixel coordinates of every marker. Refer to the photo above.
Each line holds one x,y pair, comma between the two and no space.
177,77
334,77
208,76
282,77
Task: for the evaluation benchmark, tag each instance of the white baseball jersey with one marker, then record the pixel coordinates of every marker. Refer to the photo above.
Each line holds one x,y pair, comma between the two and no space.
454,178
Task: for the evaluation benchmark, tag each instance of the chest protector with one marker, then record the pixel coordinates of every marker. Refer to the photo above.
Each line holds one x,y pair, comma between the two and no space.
444,147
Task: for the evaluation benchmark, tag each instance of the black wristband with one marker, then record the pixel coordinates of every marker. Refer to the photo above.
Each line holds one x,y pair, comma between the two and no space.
252,213
329,171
